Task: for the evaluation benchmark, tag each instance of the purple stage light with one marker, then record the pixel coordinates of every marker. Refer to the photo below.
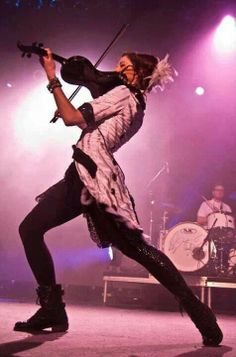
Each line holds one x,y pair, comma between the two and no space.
199,90
225,35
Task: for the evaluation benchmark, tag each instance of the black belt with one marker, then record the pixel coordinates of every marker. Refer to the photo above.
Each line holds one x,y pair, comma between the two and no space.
84,160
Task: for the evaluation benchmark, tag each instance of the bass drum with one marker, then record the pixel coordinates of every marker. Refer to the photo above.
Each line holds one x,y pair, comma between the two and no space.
182,245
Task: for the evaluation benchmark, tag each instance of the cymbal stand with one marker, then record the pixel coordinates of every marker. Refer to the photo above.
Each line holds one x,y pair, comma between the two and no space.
152,200
208,239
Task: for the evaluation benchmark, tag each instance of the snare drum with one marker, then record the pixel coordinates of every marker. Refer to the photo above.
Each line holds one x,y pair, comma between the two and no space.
182,243
220,219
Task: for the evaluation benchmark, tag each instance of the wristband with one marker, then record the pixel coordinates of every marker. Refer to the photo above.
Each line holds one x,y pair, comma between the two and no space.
53,83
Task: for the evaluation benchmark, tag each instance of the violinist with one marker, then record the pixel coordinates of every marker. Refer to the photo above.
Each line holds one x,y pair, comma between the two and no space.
94,185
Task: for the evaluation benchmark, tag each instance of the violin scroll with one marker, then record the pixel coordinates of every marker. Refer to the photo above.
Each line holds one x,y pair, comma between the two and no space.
35,48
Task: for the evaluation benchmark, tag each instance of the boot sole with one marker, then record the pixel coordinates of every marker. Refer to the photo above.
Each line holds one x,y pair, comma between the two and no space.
59,328
215,340
54,328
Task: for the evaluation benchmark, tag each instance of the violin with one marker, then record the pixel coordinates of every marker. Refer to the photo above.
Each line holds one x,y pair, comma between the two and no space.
79,70
99,82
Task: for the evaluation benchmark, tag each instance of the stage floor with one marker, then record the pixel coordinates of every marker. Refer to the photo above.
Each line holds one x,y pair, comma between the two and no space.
108,331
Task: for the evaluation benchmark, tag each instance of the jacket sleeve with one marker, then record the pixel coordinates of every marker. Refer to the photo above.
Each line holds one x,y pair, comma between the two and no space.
202,212
105,106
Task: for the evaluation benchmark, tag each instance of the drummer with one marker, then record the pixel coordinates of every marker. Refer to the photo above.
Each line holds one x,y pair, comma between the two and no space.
216,204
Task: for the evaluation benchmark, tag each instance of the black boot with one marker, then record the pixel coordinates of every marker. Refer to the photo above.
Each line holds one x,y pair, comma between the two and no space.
52,313
201,315
160,266
204,319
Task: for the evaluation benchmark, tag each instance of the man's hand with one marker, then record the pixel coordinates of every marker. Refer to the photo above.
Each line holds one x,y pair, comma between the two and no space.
48,64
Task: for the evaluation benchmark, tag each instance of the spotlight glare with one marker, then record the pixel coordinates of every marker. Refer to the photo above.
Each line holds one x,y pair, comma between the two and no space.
31,127
199,90
9,85
110,253
225,35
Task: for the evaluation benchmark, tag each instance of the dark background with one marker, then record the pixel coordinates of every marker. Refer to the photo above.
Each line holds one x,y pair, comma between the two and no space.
196,135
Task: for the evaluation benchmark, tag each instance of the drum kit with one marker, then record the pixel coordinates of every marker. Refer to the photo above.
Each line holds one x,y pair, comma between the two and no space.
194,249
209,250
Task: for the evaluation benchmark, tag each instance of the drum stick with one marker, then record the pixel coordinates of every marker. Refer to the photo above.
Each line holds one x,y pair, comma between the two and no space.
208,204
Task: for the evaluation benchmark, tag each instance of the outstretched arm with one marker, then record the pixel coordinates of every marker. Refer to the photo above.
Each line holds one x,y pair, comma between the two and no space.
202,214
201,220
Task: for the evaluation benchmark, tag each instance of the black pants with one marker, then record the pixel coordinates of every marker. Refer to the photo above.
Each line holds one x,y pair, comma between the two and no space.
51,211
60,205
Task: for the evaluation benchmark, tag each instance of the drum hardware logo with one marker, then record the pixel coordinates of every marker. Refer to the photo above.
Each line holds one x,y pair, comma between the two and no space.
188,230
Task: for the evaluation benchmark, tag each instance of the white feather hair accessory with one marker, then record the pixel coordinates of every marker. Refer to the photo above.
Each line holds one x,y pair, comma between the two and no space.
162,74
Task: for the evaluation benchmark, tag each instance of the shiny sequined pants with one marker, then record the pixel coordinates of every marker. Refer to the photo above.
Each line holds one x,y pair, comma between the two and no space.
157,263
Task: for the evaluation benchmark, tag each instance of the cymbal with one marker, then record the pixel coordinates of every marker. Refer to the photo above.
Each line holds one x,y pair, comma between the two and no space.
170,207
167,204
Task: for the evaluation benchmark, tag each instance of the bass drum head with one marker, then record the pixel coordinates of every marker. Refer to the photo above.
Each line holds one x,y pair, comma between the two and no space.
181,245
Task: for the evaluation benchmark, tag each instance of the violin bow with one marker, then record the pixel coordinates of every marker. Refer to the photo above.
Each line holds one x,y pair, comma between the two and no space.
109,47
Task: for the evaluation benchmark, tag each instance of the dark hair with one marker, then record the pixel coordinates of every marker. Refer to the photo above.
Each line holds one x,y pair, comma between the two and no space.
144,65
217,184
